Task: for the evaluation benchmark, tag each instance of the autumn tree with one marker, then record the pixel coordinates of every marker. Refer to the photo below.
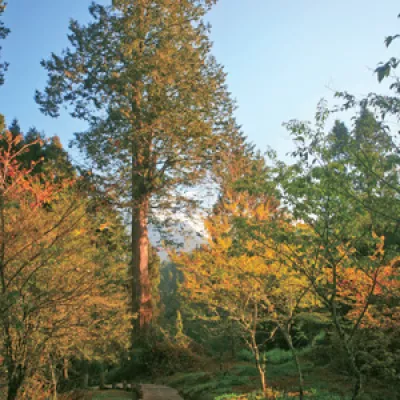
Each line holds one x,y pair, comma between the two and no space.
337,219
244,283
226,287
51,283
248,200
104,318
156,103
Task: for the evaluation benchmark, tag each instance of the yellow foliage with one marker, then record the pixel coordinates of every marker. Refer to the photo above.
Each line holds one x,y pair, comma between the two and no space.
233,281
57,296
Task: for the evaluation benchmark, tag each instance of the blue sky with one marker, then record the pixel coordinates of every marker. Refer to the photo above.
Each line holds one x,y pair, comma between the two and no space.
281,57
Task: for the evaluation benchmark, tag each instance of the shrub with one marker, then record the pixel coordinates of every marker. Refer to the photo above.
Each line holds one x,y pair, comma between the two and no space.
165,358
378,354
190,379
279,356
309,327
245,355
244,370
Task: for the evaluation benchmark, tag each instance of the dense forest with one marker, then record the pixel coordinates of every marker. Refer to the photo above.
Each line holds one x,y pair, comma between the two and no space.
294,291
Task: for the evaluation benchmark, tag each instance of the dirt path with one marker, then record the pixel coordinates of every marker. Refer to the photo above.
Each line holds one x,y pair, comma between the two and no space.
157,392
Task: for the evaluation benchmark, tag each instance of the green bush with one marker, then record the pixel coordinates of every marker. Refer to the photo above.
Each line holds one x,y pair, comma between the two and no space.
309,328
244,370
279,356
190,379
166,358
245,355
234,380
155,359
378,354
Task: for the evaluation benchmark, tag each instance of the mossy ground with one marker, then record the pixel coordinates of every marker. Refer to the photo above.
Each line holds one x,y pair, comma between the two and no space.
240,380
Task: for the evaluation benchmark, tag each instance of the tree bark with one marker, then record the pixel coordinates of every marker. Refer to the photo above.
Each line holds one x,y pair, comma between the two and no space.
261,371
297,362
141,285
102,378
347,346
233,341
12,392
14,382
260,367
65,369
85,380
53,379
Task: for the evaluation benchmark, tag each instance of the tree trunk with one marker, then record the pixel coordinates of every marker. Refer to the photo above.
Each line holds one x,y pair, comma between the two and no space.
12,392
358,385
65,369
297,362
262,379
357,374
102,378
140,153
53,379
141,286
14,382
15,372
260,367
85,380
233,341
261,371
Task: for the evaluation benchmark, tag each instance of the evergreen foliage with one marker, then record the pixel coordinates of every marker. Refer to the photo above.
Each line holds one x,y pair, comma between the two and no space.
4,31
157,105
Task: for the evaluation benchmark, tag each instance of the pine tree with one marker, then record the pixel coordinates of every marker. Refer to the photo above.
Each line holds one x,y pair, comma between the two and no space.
15,128
45,154
339,138
141,74
3,34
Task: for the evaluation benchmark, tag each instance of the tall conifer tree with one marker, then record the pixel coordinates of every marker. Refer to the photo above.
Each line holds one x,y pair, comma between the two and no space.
142,75
3,34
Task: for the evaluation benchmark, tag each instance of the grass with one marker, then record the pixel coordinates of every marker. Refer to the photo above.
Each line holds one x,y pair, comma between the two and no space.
110,394
210,385
240,381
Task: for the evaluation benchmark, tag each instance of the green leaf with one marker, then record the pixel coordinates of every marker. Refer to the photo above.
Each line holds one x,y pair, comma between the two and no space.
383,71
